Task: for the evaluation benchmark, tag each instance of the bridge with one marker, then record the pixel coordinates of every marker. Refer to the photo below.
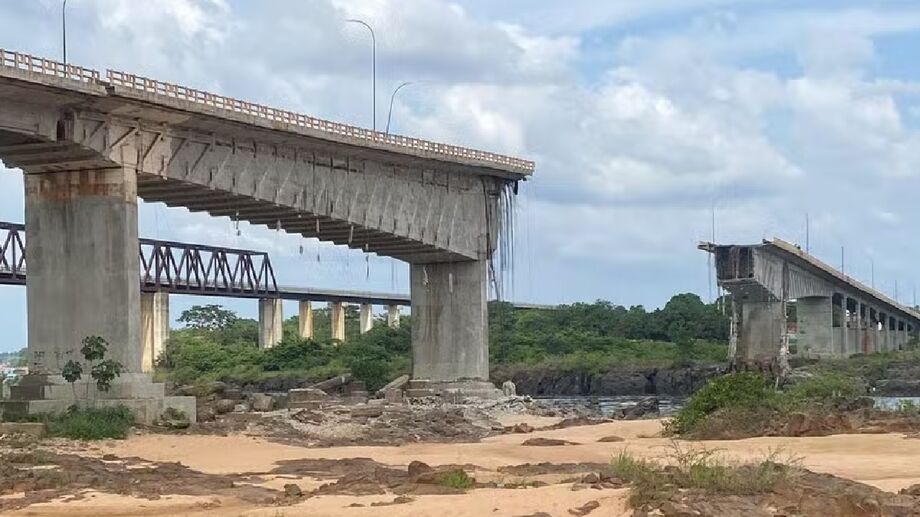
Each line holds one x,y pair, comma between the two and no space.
788,303
89,145
169,267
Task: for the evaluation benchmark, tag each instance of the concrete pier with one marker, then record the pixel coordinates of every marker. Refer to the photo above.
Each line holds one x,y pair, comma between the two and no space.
761,331
337,319
271,318
305,319
449,321
367,318
815,326
154,327
81,227
393,316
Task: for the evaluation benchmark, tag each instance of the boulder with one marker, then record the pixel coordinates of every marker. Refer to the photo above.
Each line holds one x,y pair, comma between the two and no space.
262,402
611,439
509,389
546,442
645,408
224,406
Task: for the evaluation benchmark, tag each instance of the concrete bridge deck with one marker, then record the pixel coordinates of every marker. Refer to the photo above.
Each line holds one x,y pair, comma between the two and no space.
834,314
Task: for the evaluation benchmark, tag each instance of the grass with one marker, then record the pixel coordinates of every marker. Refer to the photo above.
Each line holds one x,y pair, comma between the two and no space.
84,423
695,469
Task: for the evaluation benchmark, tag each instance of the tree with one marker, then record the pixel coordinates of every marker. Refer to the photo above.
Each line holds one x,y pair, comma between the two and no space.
208,317
102,370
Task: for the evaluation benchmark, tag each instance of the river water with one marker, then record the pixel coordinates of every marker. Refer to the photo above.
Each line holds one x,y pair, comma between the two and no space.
610,406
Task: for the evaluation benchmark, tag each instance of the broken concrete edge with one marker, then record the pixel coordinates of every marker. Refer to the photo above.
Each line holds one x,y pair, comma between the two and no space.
33,429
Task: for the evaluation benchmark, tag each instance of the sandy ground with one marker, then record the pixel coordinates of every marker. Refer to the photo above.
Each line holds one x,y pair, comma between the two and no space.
887,461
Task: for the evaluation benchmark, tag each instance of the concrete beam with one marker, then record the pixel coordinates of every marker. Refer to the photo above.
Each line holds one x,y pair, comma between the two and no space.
271,320
154,327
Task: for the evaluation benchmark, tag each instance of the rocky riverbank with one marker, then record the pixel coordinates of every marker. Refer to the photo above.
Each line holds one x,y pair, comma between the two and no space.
550,382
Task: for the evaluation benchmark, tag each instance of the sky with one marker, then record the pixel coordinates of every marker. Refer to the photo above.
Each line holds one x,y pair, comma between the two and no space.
647,120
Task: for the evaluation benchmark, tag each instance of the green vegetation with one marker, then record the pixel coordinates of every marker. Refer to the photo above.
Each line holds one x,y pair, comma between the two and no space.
83,423
14,359
458,479
697,469
745,402
218,345
102,370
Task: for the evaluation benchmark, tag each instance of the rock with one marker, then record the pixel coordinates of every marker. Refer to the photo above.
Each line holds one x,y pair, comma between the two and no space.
109,457
33,429
509,389
546,442
645,408
233,394
394,396
417,468
241,408
292,490
522,428
204,412
262,402
610,439
224,406
585,509
213,387
913,490
590,478
366,411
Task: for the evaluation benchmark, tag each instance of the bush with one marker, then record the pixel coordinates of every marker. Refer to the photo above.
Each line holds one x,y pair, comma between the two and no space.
747,390
694,469
458,479
824,386
90,424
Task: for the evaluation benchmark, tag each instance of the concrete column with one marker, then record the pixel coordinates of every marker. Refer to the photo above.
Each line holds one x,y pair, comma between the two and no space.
81,228
761,331
305,320
814,318
337,317
860,344
154,327
847,317
449,321
271,319
367,318
393,316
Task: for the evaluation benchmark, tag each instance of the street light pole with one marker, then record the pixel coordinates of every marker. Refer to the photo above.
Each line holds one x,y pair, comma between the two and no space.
393,96
64,29
373,66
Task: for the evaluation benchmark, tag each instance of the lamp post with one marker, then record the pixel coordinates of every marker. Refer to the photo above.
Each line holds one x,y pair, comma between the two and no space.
393,96
373,66
64,29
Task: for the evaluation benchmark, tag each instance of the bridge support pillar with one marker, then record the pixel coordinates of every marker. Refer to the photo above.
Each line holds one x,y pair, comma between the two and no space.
305,320
367,318
83,280
815,321
337,318
393,316
154,327
81,229
271,318
449,322
761,331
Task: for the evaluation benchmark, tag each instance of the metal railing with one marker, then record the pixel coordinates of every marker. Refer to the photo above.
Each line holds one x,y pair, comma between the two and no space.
48,67
212,100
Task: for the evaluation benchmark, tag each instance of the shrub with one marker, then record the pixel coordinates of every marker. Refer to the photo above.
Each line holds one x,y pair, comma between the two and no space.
90,423
824,386
458,479
749,390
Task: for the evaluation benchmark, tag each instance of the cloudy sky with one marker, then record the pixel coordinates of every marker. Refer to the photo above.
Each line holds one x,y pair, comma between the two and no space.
644,118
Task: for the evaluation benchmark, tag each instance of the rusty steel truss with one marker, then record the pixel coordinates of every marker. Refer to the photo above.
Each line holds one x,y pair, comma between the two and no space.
173,267
12,254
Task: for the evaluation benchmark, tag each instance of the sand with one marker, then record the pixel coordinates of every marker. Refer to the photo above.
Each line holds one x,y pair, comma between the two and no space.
887,461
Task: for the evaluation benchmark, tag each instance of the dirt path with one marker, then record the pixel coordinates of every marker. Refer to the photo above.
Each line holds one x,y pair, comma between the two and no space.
887,461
